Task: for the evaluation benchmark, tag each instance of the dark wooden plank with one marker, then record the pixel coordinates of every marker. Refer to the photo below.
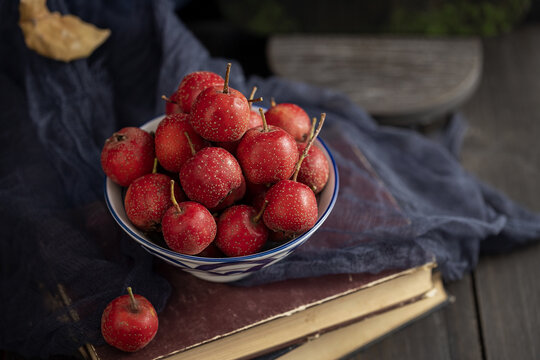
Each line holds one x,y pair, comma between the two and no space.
502,148
450,333
508,293
398,79
502,143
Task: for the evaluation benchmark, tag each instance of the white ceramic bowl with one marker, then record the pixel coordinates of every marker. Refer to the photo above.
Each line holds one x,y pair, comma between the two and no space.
229,268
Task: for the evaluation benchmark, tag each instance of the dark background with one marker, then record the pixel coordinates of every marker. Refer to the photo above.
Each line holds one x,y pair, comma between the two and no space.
225,35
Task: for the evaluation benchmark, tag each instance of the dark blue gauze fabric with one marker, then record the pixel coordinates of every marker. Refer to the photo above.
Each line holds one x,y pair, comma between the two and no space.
404,199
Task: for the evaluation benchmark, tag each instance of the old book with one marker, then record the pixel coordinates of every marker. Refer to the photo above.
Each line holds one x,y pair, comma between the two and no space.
352,338
205,320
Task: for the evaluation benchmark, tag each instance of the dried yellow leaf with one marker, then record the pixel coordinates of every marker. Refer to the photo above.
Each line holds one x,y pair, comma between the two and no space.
60,37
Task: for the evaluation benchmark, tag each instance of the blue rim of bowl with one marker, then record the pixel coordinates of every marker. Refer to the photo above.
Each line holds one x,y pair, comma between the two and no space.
271,251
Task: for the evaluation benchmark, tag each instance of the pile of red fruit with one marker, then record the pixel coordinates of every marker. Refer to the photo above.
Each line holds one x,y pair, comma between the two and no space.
242,177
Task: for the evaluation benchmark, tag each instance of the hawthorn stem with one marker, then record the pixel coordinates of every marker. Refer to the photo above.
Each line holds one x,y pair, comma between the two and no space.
154,169
312,130
226,84
265,126
168,100
193,152
173,198
308,146
252,95
134,306
272,102
257,217
259,99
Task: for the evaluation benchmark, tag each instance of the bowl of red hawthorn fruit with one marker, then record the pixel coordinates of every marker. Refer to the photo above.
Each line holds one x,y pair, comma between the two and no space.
216,186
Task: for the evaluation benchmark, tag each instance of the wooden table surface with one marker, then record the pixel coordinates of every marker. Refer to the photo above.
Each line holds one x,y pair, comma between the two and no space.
398,79
495,314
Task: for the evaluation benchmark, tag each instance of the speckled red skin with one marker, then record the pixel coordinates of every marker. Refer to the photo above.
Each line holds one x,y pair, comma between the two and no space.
189,231
292,207
210,176
291,118
192,84
219,116
172,106
315,169
127,155
237,234
255,119
172,146
267,157
240,192
148,198
234,196
126,329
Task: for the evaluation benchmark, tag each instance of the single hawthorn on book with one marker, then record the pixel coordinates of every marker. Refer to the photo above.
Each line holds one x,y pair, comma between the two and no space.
205,320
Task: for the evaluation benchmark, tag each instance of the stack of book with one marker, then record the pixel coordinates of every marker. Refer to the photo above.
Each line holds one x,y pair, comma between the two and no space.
327,317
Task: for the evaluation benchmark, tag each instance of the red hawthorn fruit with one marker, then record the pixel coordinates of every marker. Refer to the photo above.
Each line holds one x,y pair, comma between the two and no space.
210,176
240,231
172,146
220,114
148,198
191,86
127,155
291,118
315,169
188,227
267,155
292,207
129,322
